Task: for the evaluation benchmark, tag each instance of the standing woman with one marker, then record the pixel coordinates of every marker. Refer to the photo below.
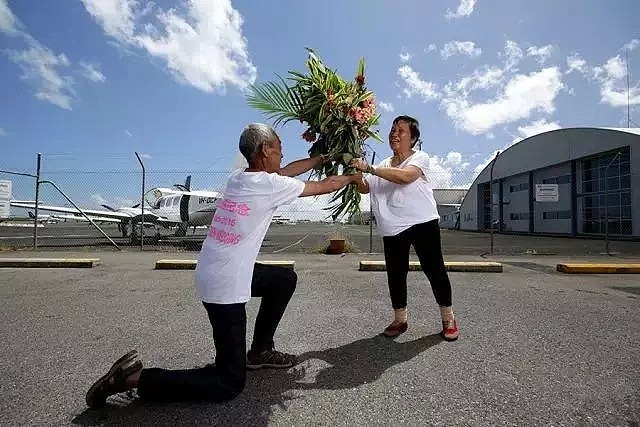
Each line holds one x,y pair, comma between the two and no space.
407,214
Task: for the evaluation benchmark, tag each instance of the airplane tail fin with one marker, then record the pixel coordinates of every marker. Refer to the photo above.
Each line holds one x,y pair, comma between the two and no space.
31,215
187,183
109,208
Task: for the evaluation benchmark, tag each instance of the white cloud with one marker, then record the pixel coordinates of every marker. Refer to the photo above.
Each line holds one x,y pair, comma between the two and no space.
386,106
460,48
481,78
542,53
416,86
535,128
449,171
480,166
631,45
521,96
8,22
612,76
465,8
405,57
42,67
512,54
116,17
3,132
431,48
204,47
92,72
576,63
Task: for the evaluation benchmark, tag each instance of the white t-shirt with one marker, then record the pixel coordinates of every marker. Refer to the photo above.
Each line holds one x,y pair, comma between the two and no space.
225,264
398,207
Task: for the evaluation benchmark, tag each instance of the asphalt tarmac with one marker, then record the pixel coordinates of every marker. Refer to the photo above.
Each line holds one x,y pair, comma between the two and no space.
536,347
311,238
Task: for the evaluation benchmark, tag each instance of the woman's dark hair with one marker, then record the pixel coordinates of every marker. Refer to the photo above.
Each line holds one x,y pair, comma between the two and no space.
414,127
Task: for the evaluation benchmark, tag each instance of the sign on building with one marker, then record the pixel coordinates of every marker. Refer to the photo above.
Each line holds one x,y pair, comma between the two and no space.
546,192
5,197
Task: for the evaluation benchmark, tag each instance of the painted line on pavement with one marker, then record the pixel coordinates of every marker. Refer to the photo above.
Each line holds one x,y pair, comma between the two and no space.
598,268
453,266
49,262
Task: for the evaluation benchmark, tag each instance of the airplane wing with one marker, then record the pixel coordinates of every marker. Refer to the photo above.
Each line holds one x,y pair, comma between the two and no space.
79,217
62,209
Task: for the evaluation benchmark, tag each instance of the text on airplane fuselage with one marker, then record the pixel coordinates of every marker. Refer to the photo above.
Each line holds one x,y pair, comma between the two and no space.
206,200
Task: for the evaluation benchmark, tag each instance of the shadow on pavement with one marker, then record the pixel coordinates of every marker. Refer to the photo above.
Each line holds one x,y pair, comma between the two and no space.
345,367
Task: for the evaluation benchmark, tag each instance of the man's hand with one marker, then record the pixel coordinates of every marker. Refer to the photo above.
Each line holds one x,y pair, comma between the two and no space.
361,165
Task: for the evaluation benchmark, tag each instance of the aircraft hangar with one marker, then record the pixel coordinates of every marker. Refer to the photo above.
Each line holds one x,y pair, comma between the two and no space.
570,181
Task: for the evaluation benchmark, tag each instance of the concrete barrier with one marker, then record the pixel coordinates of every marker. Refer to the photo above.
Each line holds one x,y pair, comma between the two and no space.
190,264
49,262
453,266
598,268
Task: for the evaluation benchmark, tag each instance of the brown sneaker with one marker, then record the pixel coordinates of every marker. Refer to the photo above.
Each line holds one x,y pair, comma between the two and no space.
270,359
395,329
114,381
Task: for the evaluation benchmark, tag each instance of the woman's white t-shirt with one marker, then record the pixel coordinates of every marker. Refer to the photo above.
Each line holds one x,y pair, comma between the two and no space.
399,206
225,265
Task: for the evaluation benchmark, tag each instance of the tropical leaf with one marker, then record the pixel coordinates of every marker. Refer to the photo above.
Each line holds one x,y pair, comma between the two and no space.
278,101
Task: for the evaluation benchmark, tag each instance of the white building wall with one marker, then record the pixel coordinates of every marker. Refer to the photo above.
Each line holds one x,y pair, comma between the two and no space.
515,199
553,217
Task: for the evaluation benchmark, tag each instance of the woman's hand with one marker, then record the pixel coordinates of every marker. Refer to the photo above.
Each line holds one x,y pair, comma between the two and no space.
360,164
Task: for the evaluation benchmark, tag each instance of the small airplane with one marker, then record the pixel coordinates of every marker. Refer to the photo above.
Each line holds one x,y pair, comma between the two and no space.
178,207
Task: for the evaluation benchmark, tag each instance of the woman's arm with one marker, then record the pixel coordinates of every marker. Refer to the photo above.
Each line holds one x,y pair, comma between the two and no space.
402,176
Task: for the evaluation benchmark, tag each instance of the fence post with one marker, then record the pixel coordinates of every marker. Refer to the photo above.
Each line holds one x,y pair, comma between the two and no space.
373,160
142,203
491,197
37,202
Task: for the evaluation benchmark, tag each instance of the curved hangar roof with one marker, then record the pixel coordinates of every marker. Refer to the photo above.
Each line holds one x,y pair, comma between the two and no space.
557,146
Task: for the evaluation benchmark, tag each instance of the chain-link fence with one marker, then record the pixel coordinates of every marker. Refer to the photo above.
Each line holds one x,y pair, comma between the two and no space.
500,216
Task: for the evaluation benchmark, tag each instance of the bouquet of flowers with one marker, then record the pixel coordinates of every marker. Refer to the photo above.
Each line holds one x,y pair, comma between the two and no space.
339,115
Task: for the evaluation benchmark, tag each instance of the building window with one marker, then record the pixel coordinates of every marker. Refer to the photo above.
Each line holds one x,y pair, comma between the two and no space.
518,187
556,215
606,193
519,216
563,179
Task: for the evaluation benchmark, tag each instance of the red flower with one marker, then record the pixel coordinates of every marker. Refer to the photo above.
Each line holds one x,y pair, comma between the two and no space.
309,135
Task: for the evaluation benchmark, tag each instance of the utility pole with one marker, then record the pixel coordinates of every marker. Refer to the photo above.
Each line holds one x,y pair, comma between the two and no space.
628,90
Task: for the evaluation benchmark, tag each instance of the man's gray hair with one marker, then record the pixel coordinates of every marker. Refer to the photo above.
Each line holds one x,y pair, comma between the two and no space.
253,137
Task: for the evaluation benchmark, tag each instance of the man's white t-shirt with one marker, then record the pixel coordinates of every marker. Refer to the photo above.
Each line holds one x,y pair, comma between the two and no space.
396,206
225,264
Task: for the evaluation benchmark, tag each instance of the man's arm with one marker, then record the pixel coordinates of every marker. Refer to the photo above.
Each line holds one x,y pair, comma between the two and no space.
301,166
362,185
329,184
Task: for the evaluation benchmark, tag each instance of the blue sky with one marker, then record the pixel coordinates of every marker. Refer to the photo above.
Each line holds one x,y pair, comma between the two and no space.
88,82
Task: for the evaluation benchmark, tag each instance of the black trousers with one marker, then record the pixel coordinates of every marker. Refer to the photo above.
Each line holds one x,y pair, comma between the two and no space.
425,239
226,379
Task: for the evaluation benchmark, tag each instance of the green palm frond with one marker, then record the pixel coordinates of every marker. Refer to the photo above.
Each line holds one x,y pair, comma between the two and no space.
278,101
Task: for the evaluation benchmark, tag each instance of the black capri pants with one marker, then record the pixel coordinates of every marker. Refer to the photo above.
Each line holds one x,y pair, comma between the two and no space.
425,238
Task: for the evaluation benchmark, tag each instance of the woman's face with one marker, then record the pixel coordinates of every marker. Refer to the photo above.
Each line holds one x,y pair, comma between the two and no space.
400,137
